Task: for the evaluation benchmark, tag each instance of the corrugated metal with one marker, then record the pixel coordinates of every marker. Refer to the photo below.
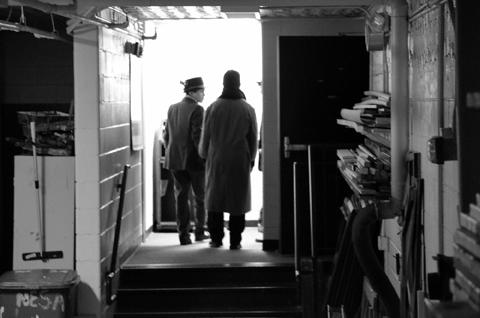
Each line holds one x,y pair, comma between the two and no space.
175,13
215,12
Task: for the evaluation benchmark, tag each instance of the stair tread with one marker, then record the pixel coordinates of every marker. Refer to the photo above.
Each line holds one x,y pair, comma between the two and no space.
247,265
231,309
202,287
210,314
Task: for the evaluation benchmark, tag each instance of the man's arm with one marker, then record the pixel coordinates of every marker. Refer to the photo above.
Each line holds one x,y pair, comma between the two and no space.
252,136
196,124
205,136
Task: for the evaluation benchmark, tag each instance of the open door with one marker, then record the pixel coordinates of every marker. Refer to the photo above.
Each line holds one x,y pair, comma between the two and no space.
318,77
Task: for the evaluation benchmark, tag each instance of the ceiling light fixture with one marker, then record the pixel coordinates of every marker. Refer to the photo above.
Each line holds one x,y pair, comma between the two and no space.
376,30
240,12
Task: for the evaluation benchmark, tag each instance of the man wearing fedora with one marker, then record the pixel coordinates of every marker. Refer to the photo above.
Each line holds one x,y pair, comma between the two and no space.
181,136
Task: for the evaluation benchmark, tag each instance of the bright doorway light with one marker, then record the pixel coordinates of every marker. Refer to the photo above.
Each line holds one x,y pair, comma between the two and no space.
206,48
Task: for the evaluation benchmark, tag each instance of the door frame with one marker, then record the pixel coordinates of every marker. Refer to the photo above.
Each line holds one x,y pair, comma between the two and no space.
272,140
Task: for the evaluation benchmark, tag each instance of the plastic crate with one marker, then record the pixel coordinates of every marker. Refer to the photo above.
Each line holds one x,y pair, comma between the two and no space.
41,293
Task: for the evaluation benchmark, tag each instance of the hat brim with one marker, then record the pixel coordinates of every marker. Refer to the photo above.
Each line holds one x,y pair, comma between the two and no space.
195,87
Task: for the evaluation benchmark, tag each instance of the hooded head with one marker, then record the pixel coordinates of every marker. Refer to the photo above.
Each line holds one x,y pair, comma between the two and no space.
231,79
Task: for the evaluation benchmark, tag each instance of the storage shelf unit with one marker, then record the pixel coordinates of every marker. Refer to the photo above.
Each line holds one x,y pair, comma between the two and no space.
366,169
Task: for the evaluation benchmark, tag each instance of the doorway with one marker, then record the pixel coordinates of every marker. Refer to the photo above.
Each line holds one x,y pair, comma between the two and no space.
191,48
319,75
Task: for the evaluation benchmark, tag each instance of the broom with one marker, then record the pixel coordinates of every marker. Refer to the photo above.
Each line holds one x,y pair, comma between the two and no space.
43,254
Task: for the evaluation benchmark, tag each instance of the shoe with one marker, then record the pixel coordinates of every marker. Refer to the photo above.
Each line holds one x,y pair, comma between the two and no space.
236,246
215,244
187,241
201,237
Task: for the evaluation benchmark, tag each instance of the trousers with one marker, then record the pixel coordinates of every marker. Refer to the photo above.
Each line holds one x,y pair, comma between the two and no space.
185,180
236,225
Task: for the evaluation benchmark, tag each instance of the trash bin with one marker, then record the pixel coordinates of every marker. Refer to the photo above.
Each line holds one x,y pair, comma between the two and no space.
42,293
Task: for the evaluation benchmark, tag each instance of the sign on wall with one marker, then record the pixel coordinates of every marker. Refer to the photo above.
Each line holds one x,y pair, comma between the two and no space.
136,103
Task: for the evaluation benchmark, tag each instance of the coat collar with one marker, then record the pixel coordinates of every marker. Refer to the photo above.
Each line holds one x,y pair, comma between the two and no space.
189,99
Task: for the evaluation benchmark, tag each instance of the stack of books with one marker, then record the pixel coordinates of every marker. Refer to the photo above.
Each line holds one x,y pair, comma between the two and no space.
366,168
466,286
375,109
372,111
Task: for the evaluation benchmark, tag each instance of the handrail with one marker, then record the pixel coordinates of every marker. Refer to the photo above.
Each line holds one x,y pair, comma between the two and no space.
111,296
299,187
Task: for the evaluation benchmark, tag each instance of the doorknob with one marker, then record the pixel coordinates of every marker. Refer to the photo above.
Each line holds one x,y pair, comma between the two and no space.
288,147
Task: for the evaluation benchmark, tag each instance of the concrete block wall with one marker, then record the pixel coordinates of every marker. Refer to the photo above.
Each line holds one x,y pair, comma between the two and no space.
102,93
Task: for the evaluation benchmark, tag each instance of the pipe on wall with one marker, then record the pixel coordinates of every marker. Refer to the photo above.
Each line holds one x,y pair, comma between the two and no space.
400,99
441,120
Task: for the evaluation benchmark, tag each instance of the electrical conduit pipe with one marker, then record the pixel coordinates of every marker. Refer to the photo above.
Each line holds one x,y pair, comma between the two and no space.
400,101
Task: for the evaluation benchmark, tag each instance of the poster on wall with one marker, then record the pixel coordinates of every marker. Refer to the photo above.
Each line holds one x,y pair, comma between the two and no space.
136,103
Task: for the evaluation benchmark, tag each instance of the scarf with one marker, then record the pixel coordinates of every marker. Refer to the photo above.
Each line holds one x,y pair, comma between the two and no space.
232,93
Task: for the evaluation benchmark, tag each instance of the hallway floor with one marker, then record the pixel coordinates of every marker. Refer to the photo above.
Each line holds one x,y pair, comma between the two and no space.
163,250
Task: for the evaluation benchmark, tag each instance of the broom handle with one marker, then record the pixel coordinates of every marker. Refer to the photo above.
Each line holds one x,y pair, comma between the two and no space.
37,188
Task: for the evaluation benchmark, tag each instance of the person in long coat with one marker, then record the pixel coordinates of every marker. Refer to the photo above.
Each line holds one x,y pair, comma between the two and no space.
182,135
229,145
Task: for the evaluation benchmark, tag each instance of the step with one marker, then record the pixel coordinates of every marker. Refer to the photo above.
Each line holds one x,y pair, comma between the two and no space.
202,298
276,312
162,276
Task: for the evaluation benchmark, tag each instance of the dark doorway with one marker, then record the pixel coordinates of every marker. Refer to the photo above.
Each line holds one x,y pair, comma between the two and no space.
318,77
35,75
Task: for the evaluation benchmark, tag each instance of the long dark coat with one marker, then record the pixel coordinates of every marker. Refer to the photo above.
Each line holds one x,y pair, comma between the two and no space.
182,135
229,145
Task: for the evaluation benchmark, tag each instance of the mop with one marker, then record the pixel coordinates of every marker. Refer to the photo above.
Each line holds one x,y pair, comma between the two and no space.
43,254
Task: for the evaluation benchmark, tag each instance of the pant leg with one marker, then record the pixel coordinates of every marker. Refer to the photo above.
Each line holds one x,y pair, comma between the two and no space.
236,225
198,185
215,226
182,188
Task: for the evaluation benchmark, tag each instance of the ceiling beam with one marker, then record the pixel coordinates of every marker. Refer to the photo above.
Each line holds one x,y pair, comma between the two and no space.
269,3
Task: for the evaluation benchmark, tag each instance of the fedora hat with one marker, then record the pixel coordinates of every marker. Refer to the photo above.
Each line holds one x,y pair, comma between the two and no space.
193,83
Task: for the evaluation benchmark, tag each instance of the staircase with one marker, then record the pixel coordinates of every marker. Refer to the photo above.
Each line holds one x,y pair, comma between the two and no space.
250,290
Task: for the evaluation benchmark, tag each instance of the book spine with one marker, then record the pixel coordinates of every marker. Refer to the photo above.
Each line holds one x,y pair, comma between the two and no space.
467,242
470,224
468,286
474,211
466,261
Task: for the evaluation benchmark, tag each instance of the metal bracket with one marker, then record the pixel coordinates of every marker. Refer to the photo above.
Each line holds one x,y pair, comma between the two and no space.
288,147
